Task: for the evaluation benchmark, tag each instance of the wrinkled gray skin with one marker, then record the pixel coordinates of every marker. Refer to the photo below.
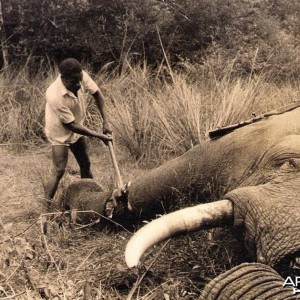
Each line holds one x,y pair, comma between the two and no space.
256,167
248,281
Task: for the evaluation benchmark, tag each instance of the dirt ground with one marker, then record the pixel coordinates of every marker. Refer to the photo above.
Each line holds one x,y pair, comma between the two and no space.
22,186
46,256
24,172
59,263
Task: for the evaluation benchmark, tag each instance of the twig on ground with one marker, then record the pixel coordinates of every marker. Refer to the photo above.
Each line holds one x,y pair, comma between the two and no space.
88,211
15,270
106,218
8,284
84,261
18,234
13,296
27,228
45,244
88,225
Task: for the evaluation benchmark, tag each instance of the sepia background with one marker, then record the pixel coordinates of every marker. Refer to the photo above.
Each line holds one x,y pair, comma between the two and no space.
170,71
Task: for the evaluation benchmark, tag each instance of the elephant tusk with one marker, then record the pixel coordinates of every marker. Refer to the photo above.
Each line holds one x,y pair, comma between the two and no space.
203,216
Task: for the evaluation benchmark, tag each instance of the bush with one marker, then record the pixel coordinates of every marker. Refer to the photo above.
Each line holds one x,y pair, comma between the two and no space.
259,35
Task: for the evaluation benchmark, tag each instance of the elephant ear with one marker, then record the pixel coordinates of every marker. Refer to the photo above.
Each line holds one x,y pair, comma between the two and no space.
87,198
248,281
75,193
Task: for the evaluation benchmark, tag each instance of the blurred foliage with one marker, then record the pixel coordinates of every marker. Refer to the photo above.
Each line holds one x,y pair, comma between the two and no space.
259,34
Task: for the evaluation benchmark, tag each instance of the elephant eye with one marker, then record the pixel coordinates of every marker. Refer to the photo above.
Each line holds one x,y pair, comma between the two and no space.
292,163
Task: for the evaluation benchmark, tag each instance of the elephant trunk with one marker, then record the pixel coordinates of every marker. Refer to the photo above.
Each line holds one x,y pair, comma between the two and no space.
202,216
193,175
248,281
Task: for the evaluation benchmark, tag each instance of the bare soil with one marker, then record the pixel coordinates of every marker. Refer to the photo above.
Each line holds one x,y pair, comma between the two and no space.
22,191
42,254
46,256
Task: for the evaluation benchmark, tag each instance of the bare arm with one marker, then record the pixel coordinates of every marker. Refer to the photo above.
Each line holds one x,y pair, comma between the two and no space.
81,129
101,107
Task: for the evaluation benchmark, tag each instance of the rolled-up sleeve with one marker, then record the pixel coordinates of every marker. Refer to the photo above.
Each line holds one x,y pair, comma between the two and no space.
89,84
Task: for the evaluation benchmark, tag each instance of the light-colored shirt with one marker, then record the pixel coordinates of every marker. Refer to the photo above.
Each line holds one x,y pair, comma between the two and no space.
63,107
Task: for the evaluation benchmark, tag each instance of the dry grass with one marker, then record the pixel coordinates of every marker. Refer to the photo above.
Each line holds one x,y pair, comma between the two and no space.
22,107
61,260
155,115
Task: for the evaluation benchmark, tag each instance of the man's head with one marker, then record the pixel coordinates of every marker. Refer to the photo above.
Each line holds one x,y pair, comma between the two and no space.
71,74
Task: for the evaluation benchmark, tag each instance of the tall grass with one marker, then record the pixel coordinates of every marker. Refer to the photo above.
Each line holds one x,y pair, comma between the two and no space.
22,107
154,113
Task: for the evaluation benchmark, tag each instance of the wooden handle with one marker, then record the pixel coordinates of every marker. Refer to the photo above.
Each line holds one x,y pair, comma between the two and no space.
115,164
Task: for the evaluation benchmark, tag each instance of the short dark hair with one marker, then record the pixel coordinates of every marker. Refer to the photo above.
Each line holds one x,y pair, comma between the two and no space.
69,66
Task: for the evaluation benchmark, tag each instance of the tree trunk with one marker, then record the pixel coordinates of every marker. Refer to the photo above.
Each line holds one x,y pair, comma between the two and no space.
5,54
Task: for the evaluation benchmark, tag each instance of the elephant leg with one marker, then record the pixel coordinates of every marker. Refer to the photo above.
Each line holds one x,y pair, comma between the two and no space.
248,281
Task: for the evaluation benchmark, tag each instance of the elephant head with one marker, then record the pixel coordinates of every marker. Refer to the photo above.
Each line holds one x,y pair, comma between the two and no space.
265,217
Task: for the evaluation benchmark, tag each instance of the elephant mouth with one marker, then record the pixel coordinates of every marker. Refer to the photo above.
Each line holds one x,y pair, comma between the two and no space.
289,265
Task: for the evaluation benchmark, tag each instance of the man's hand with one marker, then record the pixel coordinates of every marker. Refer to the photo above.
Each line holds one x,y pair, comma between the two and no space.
105,138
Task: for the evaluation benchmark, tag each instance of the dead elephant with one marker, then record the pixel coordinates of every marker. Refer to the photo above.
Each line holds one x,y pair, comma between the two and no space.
261,205
254,171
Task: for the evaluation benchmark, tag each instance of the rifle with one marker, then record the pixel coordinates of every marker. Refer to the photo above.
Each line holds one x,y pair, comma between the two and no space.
220,131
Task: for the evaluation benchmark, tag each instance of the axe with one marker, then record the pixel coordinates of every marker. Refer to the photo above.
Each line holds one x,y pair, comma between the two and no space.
115,164
120,186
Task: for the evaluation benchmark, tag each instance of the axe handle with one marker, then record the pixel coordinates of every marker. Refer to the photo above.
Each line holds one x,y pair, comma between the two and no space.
115,164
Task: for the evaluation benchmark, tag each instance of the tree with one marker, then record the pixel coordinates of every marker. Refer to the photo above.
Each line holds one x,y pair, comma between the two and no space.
4,47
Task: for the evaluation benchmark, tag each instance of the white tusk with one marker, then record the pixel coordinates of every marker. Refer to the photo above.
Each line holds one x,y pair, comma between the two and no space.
203,216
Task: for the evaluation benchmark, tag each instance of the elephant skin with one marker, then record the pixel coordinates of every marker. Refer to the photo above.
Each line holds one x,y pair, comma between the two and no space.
248,281
253,170
83,195
249,156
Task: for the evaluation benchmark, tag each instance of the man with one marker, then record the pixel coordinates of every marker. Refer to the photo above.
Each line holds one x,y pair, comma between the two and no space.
66,103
